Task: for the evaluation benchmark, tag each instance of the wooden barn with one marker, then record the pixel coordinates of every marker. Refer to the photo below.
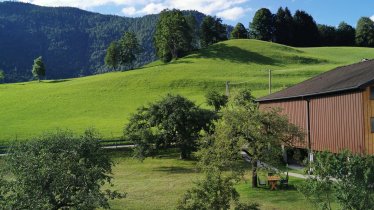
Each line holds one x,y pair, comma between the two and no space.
335,108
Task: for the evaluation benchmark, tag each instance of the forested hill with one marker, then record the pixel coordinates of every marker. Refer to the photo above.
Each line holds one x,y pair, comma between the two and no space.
72,41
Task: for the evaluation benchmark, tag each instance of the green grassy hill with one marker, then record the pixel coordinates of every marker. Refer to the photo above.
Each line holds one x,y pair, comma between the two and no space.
106,101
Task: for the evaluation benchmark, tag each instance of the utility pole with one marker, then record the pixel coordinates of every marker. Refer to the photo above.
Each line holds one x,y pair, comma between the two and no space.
269,81
227,88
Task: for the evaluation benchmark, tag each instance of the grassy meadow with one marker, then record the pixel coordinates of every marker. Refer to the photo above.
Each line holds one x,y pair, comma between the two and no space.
106,101
159,183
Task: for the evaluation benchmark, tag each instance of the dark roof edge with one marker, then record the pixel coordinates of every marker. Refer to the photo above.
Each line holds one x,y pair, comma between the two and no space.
314,94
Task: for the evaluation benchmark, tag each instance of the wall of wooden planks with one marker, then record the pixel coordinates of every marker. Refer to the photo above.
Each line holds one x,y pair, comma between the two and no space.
368,107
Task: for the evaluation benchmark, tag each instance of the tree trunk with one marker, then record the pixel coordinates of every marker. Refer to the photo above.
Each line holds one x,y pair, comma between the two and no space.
183,154
254,174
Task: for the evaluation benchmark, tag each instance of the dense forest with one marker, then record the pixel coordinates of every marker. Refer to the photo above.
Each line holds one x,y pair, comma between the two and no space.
72,42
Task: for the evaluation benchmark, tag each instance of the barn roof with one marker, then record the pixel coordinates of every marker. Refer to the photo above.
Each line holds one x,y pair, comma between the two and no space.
345,78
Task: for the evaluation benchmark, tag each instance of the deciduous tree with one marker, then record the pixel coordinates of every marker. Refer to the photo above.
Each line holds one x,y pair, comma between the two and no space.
112,57
213,98
172,36
365,32
239,32
343,177
57,171
212,31
345,35
174,120
262,26
38,69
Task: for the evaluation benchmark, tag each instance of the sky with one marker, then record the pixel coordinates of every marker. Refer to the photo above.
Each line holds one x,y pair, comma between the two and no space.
330,12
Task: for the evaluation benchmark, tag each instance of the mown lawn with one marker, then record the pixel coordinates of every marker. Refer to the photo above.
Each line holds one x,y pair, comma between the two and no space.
158,183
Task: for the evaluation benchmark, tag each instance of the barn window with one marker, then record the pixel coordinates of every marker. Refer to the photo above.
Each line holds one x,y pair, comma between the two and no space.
372,124
372,93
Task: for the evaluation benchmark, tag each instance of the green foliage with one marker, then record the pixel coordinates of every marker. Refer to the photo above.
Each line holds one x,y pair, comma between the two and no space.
246,127
262,26
345,35
239,32
365,32
174,120
112,57
327,34
352,185
38,69
123,52
213,192
283,27
195,31
306,31
172,36
57,171
2,75
212,31
213,98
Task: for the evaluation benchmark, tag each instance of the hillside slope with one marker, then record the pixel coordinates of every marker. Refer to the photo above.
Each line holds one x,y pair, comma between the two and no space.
106,101
72,42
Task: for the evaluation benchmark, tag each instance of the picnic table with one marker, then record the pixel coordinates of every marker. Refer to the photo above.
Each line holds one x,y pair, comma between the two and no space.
273,180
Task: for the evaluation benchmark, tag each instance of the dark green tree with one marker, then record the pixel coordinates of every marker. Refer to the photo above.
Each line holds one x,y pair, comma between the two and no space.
239,32
262,26
2,76
345,35
212,31
38,69
327,35
57,171
129,49
112,57
305,30
283,26
123,52
365,32
172,36
195,31
213,98
172,121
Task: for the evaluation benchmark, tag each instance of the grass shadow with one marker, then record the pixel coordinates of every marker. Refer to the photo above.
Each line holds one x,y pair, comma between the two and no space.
234,54
175,170
57,81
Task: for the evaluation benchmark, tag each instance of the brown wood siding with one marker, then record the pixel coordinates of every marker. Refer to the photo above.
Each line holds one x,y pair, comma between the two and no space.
296,111
337,123
368,106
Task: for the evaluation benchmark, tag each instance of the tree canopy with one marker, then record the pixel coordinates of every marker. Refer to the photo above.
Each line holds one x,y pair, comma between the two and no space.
344,177
56,171
123,52
172,121
38,69
239,32
306,31
262,26
365,32
283,26
212,31
345,35
172,36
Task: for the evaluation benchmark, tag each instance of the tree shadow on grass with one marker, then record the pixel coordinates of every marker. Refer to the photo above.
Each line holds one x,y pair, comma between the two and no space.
234,54
175,170
57,81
